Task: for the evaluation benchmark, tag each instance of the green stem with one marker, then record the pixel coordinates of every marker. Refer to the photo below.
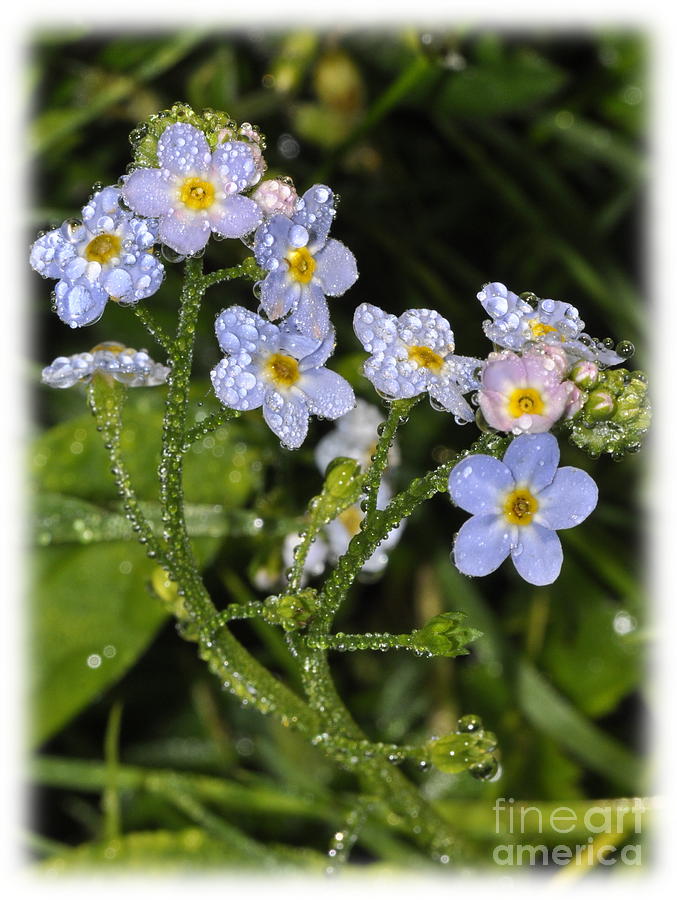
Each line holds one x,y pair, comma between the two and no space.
211,423
247,269
106,399
377,641
152,326
182,564
237,670
398,415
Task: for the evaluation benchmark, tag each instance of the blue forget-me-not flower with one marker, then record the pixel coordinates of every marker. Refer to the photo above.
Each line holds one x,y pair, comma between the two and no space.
196,192
279,369
518,505
515,324
108,255
414,353
133,368
304,265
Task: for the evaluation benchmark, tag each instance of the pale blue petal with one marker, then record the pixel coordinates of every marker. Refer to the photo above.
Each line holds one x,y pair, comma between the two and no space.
319,356
78,267
569,500
311,315
328,394
287,416
239,329
394,376
562,316
237,383
446,392
147,275
537,554
51,253
464,370
186,234
479,483
533,459
481,545
300,346
81,303
375,329
426,328
144,232
236,162
336,268
102,211
65,371
271,243
235,216
183,149
118,284
278,295
148,192
315,212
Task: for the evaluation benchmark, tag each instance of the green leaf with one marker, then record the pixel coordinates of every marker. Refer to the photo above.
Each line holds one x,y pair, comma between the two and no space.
548,711
60,519
71,459
92,616
588,660
497,88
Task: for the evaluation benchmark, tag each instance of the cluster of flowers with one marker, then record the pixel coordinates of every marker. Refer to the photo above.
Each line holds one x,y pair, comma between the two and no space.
542,372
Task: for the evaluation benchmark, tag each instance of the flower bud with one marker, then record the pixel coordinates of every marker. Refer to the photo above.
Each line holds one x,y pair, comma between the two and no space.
585,374
341,475
275,196
600,405
292,610
574,403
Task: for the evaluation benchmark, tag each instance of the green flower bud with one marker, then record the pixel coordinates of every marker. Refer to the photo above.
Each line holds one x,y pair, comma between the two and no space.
340,477
444,635
615,416
217,126
585,374
454,753
291,611
600,405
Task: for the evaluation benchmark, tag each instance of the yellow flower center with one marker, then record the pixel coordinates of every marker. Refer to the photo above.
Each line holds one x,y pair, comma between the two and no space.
196,193
102,248
351,519
301,265
111,346
520,506
282,370
538,329
525,401
426,358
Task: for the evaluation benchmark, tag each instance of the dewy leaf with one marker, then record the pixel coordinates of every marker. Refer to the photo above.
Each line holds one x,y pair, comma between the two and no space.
507,86
92,616
71,459
60,519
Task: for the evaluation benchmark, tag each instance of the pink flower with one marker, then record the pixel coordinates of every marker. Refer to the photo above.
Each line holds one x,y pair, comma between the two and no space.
526,394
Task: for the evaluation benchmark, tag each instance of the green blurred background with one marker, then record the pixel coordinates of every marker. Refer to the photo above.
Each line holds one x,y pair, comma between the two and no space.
460,156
